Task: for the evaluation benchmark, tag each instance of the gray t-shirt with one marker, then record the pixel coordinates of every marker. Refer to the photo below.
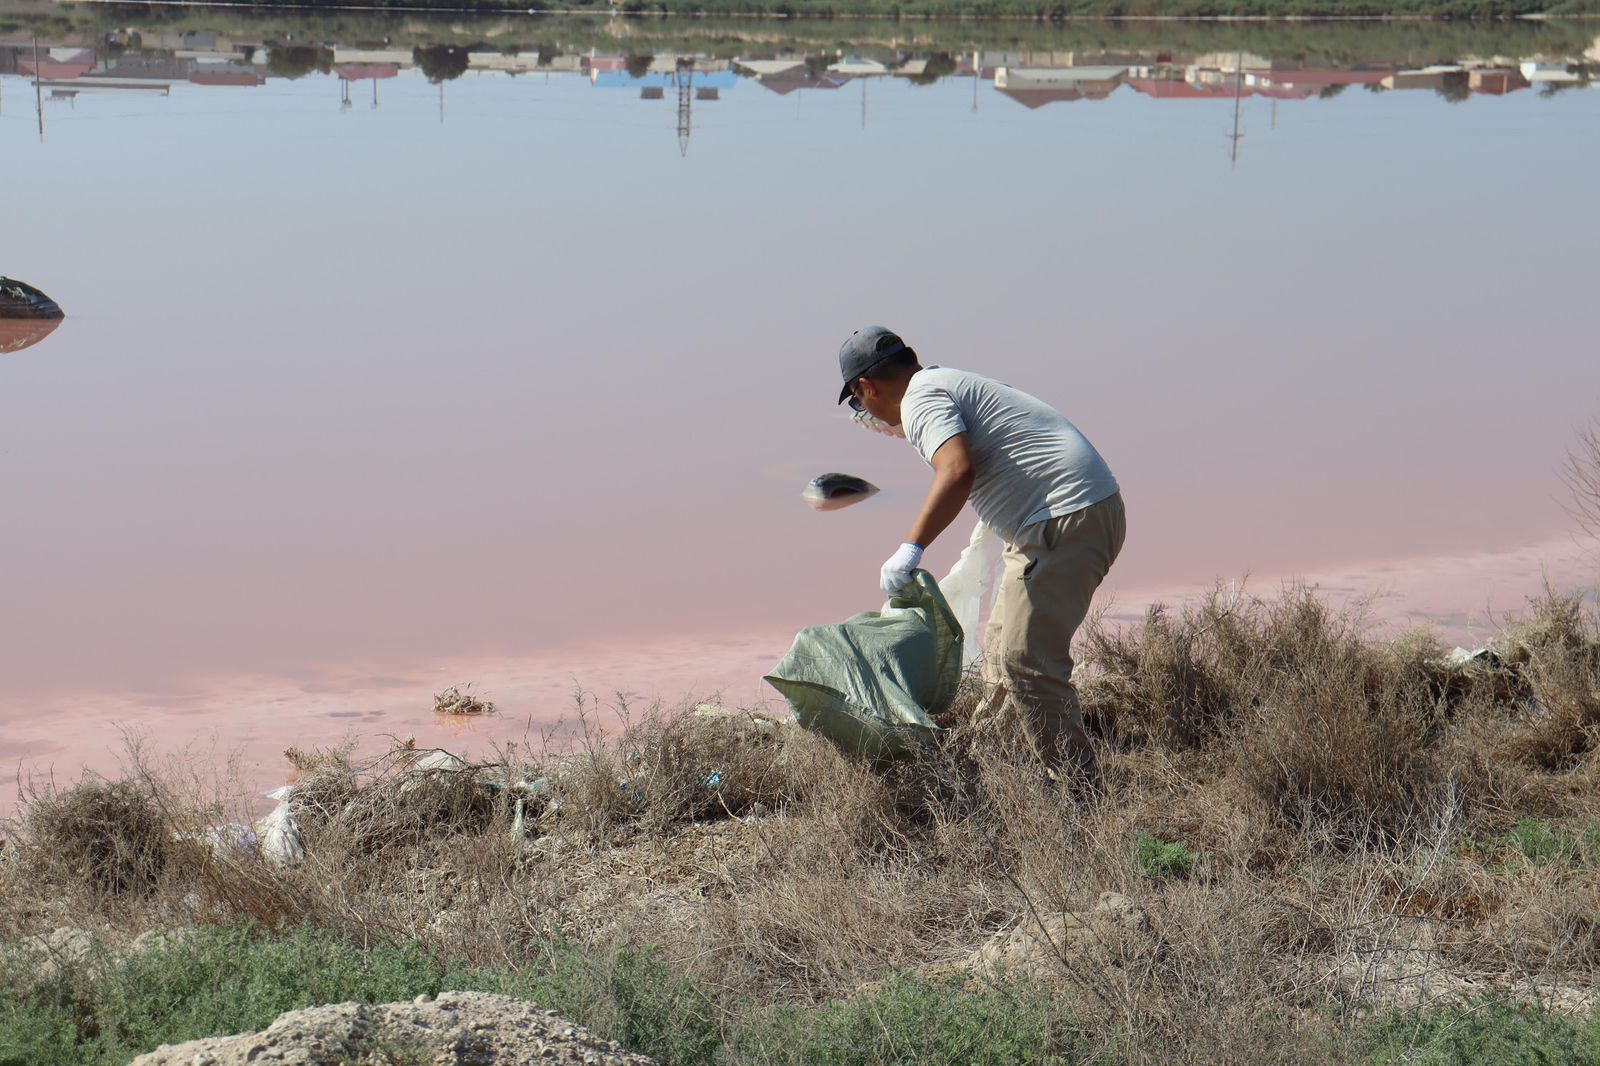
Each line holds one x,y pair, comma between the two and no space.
1029,462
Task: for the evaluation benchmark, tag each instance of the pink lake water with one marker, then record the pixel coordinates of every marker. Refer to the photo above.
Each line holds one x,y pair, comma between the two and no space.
505,385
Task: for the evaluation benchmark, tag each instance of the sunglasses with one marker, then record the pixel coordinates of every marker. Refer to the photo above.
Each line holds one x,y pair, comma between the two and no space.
854,401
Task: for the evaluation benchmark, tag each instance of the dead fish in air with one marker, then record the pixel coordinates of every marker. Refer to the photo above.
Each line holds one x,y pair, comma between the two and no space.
18,299
833,491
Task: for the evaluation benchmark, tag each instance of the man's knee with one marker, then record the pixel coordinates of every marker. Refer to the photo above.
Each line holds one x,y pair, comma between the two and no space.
1035,676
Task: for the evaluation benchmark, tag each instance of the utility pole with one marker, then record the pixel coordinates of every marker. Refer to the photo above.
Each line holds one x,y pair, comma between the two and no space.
684,76
38,96
1238,94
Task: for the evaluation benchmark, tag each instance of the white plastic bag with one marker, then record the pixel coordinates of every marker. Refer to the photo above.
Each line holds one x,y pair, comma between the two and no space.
972,585
279,833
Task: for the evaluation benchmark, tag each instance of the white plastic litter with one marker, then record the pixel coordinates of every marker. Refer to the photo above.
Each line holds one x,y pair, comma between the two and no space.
972,585
230,839
1460,657
279,833
225,841
439,759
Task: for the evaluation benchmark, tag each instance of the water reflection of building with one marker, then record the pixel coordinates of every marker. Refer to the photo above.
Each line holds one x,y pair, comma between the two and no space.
227,74
1033,87
1496,81
57,64
128,61
789,75
1434,78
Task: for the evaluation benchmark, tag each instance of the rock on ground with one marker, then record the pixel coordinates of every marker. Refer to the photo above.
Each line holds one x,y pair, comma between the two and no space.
1036,948
458,1028
59,949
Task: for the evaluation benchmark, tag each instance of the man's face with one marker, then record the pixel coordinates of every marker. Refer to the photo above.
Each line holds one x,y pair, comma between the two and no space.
870,396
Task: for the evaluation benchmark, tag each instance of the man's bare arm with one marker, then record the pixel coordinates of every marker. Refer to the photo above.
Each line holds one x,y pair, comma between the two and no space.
952,484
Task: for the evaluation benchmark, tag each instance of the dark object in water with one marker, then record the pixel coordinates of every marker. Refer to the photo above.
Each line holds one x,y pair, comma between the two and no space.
833,491
18,299
19,333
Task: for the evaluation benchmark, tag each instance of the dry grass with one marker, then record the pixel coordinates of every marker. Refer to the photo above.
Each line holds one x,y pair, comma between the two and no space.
1347,803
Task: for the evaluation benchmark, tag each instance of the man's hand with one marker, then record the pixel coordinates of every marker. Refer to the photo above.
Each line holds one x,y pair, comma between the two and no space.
896,573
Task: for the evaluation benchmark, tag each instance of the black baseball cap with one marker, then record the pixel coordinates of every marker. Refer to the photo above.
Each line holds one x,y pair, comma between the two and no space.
866,348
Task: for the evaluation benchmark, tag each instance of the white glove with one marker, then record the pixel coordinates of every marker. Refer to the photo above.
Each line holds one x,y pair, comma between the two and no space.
896,573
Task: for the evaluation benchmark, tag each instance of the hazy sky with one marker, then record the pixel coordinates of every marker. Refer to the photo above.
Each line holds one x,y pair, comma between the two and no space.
363,387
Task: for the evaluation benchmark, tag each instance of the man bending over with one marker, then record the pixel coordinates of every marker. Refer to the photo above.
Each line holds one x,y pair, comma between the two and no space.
1033,479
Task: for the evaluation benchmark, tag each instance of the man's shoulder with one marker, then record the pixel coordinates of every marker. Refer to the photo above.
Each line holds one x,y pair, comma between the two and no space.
940,378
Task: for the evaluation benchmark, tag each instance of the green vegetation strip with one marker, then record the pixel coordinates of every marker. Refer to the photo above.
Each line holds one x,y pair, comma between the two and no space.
108,1008
1413,41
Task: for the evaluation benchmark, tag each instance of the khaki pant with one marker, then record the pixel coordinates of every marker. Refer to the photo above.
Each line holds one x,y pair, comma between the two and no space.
1051,572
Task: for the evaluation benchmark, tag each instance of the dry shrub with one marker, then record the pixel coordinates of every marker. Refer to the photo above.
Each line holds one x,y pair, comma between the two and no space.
1556,654
1326,727
666,770
407,810
324,781
813,930
840,889
1184,681
109,835
1153,683
239,888
1211,985
1331,755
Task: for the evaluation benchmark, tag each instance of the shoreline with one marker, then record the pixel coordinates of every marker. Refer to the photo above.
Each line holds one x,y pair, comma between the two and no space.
246,720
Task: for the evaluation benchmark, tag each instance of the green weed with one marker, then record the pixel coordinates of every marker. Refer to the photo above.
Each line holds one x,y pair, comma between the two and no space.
1159,860
909,1019
1537,842
1488,1032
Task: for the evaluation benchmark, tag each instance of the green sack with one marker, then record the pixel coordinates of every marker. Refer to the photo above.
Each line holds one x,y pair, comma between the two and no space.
871,684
